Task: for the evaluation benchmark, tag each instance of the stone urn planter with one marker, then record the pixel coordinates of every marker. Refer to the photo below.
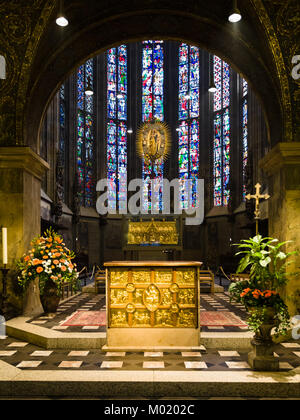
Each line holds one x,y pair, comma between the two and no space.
262,358
50,298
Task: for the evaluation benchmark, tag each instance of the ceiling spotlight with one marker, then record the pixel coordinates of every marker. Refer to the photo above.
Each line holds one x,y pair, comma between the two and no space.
235,16
62,21
130,131
61,18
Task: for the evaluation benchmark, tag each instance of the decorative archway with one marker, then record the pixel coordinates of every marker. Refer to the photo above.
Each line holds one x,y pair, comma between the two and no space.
95,28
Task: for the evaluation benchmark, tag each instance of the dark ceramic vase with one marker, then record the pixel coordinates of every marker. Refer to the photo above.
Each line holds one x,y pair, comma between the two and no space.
50,298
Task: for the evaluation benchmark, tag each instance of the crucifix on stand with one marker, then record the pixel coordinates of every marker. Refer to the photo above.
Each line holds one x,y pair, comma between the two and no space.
258,196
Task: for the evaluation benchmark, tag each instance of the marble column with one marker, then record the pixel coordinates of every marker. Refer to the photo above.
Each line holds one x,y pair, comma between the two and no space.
282,166
21,172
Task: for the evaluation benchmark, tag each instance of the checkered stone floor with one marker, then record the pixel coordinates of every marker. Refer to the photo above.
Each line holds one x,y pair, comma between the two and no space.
81,302
27,356
219,302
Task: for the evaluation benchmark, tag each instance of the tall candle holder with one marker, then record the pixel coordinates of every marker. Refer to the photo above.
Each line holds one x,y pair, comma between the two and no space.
4,272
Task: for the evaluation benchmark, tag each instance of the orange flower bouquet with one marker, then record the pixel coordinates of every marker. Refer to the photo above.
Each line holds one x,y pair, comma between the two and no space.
49,260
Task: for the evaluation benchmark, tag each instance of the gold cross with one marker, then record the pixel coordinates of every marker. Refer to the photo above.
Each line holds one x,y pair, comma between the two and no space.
258,196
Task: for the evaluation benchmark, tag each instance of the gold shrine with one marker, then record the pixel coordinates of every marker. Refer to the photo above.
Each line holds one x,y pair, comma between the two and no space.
152,232
152,303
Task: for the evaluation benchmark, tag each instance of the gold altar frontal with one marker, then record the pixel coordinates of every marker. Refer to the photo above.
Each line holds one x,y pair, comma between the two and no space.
152,304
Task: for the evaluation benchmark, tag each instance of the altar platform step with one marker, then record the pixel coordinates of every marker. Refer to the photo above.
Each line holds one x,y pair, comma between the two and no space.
29,371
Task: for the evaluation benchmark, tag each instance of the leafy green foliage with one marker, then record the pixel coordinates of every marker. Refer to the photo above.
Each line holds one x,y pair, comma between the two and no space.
266,263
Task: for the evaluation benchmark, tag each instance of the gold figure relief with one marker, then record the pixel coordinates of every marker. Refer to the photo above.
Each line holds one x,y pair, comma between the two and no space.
118,297
186,297
152,298
167,297
118,319
186,318
163,318
119,277
141,276
164,276
138,297
141,319
186,277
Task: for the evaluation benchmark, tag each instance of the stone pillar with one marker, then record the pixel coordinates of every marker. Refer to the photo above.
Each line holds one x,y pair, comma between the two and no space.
21,172
282,165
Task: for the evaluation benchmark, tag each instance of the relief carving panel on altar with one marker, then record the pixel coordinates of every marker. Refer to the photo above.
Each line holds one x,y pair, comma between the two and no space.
162,298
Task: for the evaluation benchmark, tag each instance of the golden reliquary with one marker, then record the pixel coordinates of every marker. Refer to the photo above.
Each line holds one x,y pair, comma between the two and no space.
164,296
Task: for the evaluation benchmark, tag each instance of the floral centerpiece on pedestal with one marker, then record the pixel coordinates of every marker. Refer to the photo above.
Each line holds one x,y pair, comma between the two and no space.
50,261
267,263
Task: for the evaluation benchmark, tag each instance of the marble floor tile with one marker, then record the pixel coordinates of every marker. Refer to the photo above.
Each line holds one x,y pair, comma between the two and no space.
285,365
78,353
111,365
7,353
92,328
153,365
229,354
70,364
115,354
237,365
191,354
40,353
19,345
153,354
29,364
195,365
291,345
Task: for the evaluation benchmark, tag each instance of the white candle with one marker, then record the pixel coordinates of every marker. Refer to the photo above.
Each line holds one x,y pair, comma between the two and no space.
4,245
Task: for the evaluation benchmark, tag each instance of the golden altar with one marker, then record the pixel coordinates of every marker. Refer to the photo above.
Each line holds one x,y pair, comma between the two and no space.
152,304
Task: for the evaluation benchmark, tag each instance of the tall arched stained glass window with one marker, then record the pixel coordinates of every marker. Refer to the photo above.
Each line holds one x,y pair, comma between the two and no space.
153,109
221,133
85,134
189,112
62,128
245,132
117,99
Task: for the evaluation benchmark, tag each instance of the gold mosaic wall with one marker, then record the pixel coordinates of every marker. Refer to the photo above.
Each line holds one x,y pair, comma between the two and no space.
148,298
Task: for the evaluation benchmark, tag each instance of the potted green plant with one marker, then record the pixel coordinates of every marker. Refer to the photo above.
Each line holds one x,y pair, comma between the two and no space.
49,261
266,263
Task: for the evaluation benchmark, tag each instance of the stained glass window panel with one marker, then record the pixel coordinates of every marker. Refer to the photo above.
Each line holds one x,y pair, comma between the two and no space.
189,130
117,89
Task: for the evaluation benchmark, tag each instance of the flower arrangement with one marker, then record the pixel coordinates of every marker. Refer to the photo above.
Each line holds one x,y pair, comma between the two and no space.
261,293
49,260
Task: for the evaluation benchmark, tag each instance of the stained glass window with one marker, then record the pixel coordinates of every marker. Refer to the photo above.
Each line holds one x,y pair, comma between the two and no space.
245,133
153,109
62,128
117,99
85,134
189,112
222,129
